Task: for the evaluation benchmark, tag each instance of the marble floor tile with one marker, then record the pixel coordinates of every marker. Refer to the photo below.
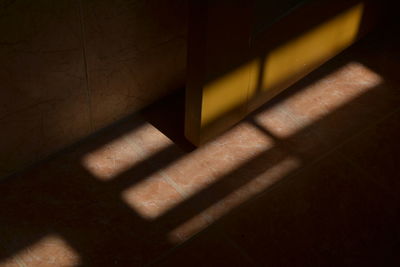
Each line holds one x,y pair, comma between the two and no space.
376,151
61,214
264,193
209,249
222,175
328,215
346,95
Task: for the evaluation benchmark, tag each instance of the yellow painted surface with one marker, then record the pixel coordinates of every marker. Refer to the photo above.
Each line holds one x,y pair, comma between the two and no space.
292,60
227,99
227,93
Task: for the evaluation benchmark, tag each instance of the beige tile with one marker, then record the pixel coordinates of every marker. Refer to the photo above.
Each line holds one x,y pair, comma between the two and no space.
208,249
329,214
151,197
274,120
338,100
111,157
377,153
190,173
11,263
189,229
60,214
149,140
222,175
205,165
228,193
129,195
49,251
358,114
153,150
331,92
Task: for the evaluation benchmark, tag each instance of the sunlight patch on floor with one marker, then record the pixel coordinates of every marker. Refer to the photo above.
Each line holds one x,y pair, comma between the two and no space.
51,250
233,200
123,153
186,176
329,94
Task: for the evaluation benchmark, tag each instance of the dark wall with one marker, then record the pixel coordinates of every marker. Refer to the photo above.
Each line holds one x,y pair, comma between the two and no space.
71,67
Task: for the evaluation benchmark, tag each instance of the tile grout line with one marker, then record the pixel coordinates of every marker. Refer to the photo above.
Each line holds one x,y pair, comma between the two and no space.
337,147
287,179
359,169
355,164
341,144
164,176
165,255
372,124
135,147
300,170
168,179
237,247
170,251
314,162
85,62
367,128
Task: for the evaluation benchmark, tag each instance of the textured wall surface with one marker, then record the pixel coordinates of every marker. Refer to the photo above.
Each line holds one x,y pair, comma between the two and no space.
68,68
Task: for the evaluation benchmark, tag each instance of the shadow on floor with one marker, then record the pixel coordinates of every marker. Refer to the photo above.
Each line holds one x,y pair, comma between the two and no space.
340,208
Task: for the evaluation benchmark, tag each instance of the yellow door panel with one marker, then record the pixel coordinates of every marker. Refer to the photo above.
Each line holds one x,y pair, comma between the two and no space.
232,69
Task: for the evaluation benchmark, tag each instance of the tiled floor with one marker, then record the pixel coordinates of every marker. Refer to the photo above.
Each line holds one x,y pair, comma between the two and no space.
310,179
